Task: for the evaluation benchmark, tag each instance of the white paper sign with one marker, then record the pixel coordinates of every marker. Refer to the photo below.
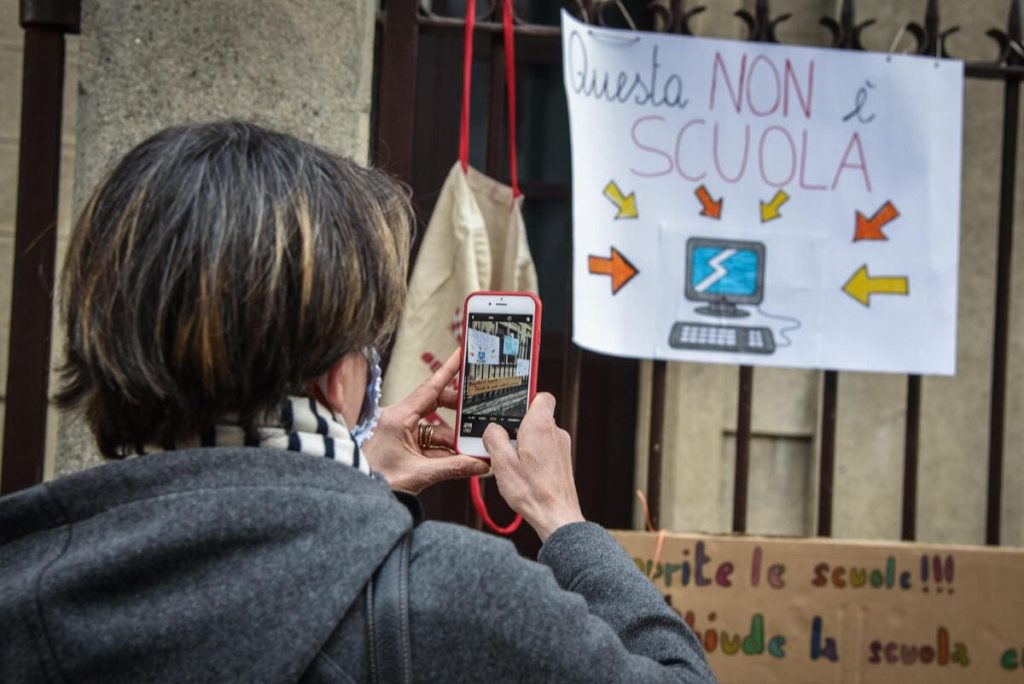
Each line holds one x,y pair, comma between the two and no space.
482,347
510,346
522,368
762,204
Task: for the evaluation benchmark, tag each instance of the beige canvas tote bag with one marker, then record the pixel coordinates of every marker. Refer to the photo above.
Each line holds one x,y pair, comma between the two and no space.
475,240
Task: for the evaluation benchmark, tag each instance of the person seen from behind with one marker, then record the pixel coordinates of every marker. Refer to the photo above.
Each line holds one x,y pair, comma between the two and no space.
225,292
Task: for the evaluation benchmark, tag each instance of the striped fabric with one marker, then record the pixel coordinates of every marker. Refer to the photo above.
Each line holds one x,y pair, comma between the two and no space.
305,426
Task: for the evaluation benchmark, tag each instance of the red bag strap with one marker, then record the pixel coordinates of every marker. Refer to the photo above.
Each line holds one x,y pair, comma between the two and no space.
510,84
481,508
508,29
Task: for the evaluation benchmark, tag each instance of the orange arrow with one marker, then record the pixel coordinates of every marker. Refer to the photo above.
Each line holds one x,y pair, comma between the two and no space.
617,266
871,228
712,209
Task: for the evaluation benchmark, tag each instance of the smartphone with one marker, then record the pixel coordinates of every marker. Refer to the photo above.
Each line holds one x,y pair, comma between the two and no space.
500,352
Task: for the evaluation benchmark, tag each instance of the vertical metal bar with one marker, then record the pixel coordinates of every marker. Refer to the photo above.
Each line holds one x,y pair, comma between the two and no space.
571,391
496,107
35,248
571,362
655,444
910,450
396,106
396,98
742,476
997,415
761,27
827,457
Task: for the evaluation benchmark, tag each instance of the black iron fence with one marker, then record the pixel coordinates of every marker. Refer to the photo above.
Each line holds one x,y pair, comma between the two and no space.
415,46
35,239
405,25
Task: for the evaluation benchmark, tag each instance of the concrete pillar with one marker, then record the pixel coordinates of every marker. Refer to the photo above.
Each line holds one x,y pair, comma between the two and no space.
301,67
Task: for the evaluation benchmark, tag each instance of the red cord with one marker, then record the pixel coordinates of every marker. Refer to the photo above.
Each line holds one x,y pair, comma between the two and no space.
481,510
467,80
508,26
510,84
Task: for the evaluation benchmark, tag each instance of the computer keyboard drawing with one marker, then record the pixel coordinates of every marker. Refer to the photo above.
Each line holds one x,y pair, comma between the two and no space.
729,338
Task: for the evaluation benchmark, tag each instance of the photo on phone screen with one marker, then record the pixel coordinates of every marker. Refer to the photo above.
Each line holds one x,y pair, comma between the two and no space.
496,383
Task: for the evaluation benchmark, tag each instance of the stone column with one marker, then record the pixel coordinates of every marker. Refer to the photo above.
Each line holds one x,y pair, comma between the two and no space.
301,66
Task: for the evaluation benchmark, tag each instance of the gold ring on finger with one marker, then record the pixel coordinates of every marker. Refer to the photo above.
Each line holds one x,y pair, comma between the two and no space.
426,436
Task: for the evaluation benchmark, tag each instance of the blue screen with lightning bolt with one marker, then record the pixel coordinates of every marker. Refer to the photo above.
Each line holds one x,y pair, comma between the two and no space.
724,271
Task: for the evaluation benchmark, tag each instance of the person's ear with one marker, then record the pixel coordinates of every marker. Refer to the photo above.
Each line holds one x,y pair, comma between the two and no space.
344,385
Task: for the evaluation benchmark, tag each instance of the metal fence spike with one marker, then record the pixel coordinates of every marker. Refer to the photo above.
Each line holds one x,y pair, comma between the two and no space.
1013,22
930,38
1011,50
760,25
846,16
674,17
846,31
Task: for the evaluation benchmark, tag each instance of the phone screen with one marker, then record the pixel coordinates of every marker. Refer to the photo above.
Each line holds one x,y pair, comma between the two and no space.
496,382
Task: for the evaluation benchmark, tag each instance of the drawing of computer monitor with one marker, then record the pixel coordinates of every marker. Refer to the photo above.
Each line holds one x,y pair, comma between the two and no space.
723,274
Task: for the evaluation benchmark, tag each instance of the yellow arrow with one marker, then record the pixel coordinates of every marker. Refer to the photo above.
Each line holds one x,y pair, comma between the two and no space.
861,286
626,204
770,210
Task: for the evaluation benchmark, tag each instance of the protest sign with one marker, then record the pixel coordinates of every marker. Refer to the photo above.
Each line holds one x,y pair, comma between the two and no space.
818,610
741,202
482,347
510,347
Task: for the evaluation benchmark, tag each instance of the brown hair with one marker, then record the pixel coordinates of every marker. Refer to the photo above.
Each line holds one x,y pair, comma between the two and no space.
217,269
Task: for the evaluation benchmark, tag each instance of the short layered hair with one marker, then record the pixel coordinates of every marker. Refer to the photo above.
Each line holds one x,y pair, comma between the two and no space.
217,269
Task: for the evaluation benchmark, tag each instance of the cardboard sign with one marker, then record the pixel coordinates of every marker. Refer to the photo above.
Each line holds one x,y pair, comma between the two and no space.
740,202
816,610
475,387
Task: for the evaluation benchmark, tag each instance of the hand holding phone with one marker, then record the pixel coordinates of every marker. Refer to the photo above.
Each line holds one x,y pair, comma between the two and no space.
535,478
501,345
394,450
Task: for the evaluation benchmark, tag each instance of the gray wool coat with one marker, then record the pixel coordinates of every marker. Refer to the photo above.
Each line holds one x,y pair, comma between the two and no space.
247,565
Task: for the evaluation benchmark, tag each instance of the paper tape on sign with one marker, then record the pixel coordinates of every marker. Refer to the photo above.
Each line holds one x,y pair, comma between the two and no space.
751,203
814,610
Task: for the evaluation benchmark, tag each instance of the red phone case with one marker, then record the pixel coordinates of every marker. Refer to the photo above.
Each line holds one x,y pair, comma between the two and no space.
534,352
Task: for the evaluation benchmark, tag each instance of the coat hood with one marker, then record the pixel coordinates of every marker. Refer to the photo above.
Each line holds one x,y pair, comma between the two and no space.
236,564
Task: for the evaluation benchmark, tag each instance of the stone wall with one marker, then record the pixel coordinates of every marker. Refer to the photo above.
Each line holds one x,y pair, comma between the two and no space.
302,67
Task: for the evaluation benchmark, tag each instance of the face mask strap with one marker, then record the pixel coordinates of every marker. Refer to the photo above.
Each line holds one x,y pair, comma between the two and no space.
369,414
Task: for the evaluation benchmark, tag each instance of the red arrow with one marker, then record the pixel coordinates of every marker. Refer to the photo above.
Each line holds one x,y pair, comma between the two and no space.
871,228
712,209
617,266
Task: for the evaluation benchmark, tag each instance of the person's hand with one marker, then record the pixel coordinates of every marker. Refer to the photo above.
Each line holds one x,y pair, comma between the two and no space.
536,478
394,449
